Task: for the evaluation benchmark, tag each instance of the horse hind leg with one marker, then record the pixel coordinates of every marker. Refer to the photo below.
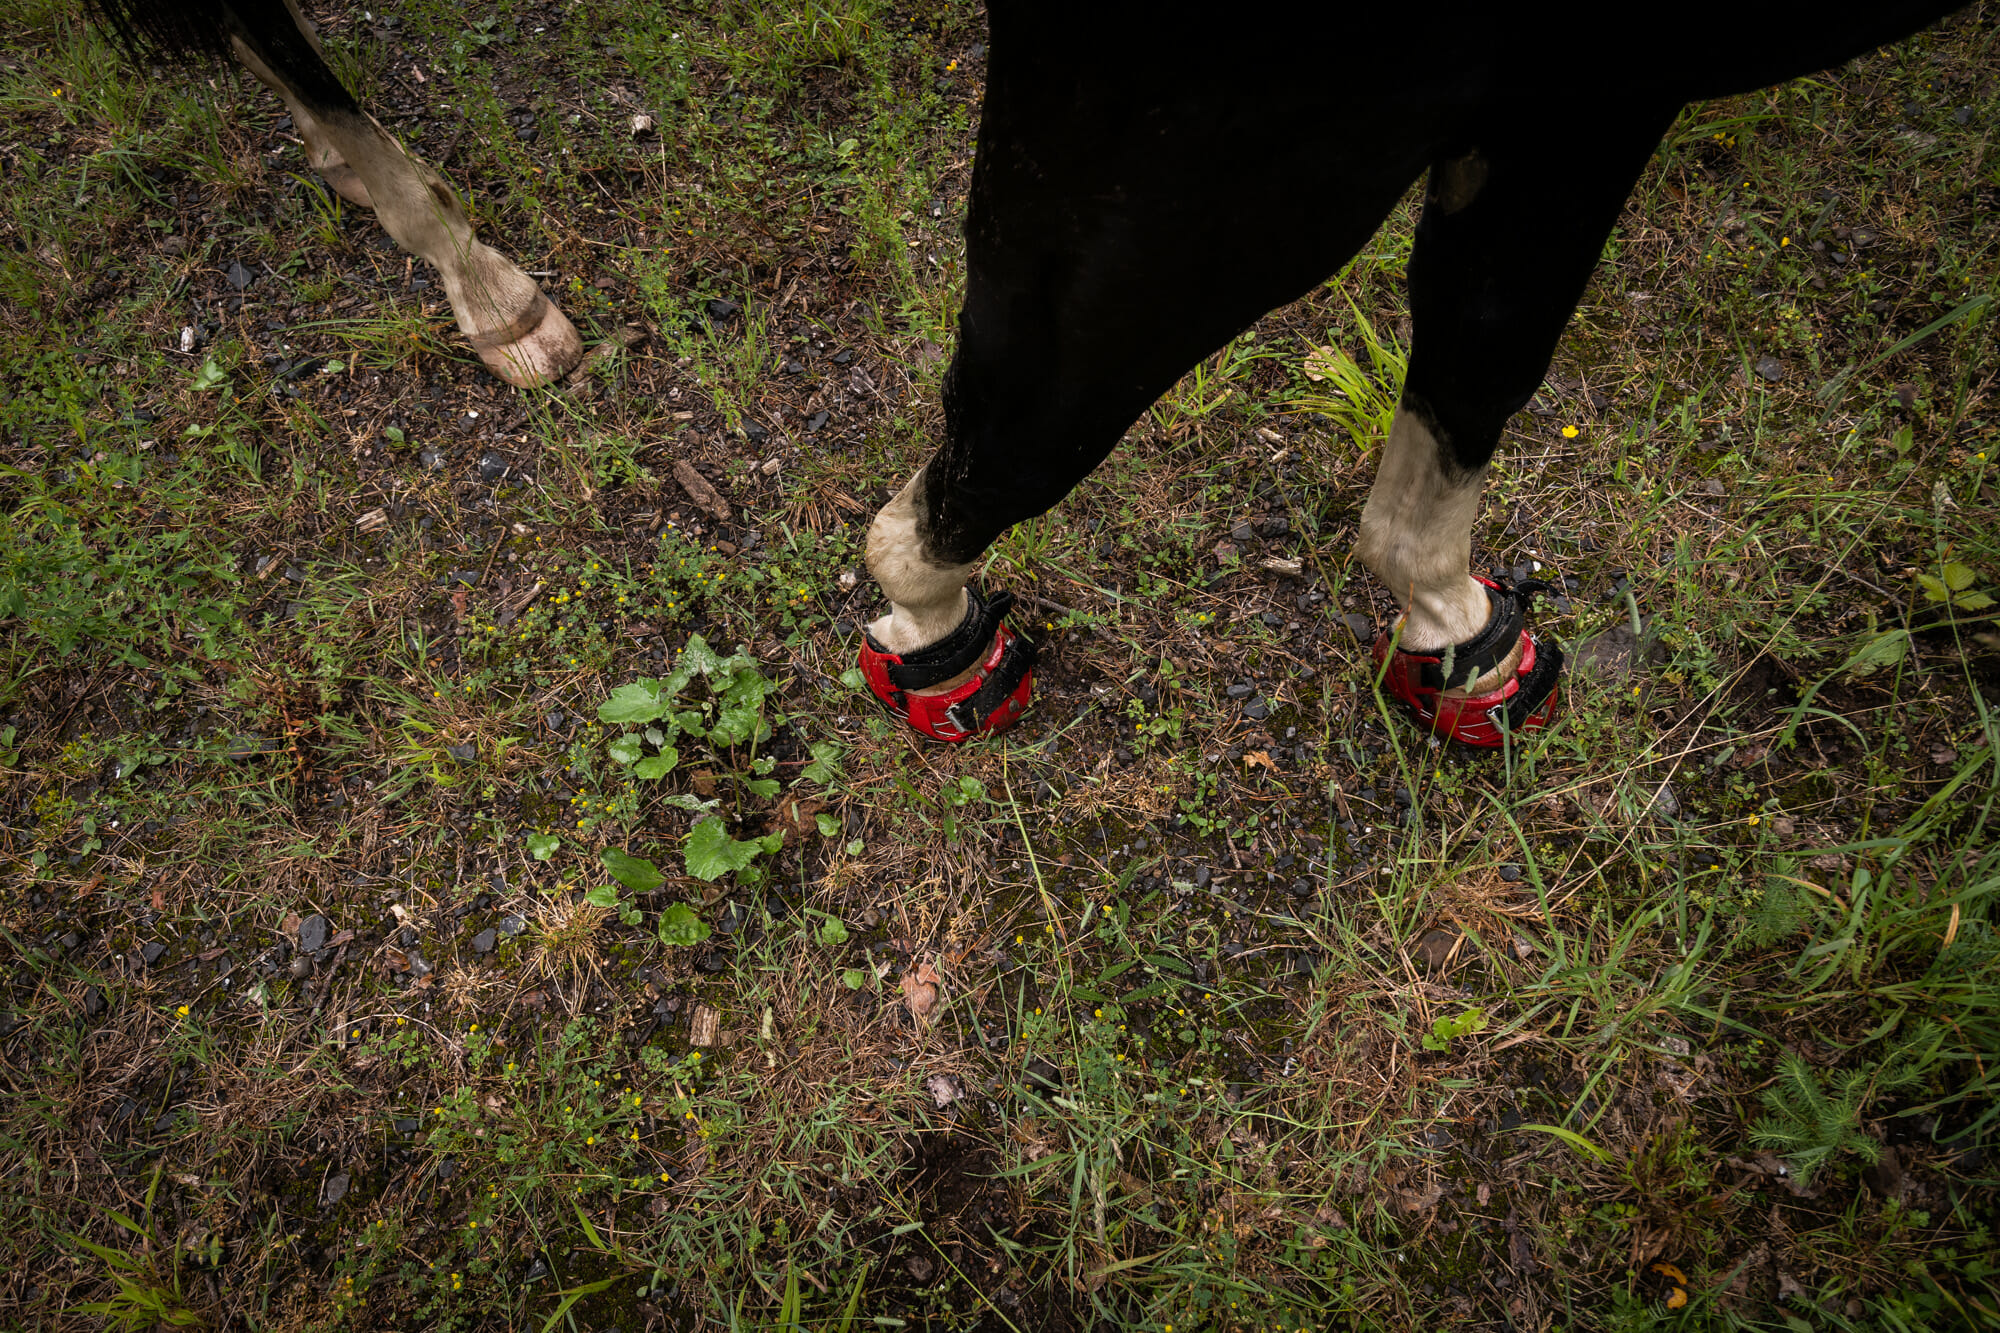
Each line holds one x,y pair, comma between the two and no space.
518,332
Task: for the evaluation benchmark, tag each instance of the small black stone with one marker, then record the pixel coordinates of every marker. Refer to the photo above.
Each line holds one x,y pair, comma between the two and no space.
721,309
734,918
406,1126
151,952
1201,877
431,459
712,961
239,277
815,421
484,941
842,357
755,433
93,1002
1242,689
492,466
1257,709
465,754
313,932
1043,1075
795,367
1242,532
1510,873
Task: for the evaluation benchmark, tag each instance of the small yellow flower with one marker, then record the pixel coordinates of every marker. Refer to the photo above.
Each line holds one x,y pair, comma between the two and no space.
1784,241
182,1011
1570,432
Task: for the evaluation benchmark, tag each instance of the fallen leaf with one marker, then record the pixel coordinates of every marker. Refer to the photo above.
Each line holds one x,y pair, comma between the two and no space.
458,602
1260,757
920,991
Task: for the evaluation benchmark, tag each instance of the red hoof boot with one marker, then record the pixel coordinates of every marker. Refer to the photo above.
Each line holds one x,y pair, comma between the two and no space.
1524,702
991,700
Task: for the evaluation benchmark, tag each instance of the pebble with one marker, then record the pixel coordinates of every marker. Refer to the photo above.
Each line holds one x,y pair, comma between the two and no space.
313,932
334,1190
299,968
492,466
430,458
465,754
239,277
1510,873
511,925
1242,532
1770,368
93,1002
1257,708
484,941
1240,690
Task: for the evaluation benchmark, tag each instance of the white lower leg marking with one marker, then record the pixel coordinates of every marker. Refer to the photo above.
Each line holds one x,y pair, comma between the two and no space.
1416,536
926,601
518,333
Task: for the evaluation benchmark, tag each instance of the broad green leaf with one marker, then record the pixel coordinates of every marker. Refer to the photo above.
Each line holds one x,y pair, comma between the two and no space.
854,978
1933,587
627,749
679,925
689,801
604,895
765,788
1972,601
640,701
1884,650
735,726
697,656
542,846
829,825
1959,577
832,931
658,765
853,679
634,872
824,770
855,847
712,853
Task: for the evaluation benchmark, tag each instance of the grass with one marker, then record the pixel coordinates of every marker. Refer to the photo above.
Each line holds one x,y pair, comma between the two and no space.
359,975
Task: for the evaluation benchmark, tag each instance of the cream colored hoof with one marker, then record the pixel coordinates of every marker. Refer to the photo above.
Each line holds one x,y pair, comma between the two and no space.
540,347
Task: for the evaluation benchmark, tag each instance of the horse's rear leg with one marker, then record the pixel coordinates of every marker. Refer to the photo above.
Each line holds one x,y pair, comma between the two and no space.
518,332
1502,254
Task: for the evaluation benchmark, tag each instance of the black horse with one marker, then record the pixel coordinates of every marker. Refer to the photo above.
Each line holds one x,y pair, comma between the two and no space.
1150,180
